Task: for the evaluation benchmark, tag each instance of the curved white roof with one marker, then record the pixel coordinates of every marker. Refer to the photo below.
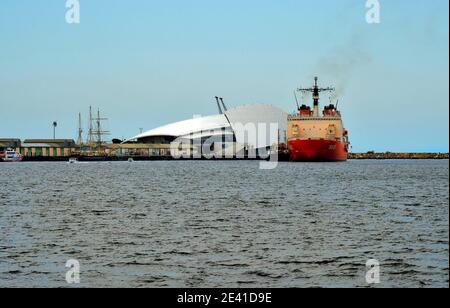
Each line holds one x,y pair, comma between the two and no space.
255,114
185,128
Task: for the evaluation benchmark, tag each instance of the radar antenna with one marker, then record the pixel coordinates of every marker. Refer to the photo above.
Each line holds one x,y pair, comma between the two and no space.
315,90
296,100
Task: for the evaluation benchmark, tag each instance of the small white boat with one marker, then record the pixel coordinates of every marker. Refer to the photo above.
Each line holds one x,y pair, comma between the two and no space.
11,156
130,160
73,160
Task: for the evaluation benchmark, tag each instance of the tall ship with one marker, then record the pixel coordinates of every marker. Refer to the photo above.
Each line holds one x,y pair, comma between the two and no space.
315,135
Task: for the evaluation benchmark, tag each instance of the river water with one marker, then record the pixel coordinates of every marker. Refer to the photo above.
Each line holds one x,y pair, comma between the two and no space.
225,224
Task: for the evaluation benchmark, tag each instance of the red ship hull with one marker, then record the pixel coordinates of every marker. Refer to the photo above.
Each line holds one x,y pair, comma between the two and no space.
317,150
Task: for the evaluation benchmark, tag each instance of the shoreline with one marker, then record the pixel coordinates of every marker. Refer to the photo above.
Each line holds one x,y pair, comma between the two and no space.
397,156
282,158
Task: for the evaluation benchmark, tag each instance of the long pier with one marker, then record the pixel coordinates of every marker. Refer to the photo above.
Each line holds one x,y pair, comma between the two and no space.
388,155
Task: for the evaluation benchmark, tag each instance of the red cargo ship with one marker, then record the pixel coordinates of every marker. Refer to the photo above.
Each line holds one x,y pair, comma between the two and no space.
317,137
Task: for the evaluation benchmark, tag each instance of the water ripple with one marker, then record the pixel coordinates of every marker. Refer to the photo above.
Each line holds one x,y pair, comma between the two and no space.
225,224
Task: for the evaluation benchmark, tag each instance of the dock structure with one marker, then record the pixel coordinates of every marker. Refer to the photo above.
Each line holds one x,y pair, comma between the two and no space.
50,148
63,149
389,155
138,150
40,149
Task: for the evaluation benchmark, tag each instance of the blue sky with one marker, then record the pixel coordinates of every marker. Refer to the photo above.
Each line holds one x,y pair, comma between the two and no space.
146,63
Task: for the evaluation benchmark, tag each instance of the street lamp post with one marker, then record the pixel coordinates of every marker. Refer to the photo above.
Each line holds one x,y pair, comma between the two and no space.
55,124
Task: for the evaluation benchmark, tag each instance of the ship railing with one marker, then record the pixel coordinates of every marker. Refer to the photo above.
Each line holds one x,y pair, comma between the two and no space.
327,118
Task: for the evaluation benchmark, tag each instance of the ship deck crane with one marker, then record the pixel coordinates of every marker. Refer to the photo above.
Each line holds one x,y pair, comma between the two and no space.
221,105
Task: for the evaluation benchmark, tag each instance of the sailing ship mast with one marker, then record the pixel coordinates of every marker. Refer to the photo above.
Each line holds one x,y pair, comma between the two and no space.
80,132
99,132
90,142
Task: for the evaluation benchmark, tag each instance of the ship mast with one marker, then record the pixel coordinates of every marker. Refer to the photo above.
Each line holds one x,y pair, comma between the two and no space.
99,132
315,90
91,131
95,141
80,132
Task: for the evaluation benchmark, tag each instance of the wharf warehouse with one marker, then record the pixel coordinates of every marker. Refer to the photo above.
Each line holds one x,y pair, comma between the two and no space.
239,132
47,147
40,147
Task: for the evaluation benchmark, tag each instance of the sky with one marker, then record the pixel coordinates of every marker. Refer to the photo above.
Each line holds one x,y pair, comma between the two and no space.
147,63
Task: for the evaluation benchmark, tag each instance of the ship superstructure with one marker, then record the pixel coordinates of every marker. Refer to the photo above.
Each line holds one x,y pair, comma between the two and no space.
315,135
